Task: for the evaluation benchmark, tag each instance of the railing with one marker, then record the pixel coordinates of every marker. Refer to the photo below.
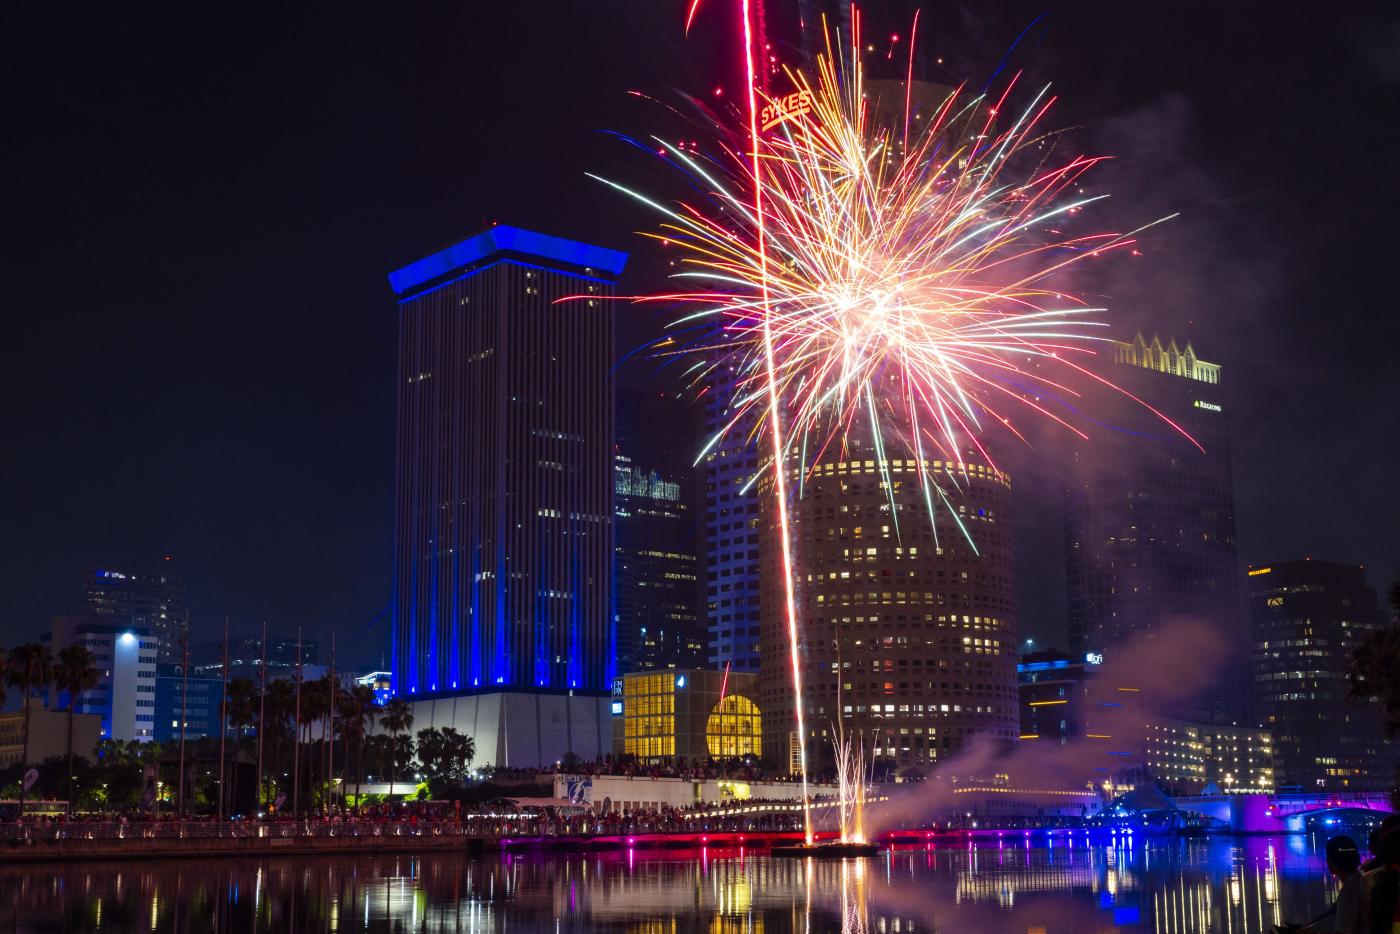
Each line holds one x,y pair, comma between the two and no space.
54,832
35,832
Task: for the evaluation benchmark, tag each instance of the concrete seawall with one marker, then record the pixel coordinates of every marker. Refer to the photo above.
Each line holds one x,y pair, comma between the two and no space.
196,847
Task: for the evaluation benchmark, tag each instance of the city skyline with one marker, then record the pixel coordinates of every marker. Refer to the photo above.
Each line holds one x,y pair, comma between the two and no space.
237,547
703,465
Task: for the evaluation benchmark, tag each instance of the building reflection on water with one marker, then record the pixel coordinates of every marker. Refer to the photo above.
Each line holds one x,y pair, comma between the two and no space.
1166,887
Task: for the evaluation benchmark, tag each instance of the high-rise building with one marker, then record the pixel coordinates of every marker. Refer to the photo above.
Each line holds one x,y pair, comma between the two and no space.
503,512
1305,618
1150,515
245,657
126,662
658,624
140,598
907,632
731,523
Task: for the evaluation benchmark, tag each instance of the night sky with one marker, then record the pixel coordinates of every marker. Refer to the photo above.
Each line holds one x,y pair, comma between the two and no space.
199,214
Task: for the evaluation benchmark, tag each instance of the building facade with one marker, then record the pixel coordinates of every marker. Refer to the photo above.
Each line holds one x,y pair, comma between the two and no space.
732,525
1305,618
140,598
657,618
1150,516
908,633
687,716
245,658
197,697
126,661
1053,694
504,475
1122,742
48,734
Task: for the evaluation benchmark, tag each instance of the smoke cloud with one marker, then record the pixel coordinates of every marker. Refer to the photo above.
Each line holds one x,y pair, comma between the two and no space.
1149,677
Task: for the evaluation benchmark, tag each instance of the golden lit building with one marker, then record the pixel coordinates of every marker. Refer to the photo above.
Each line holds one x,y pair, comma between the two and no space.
686,715
908,631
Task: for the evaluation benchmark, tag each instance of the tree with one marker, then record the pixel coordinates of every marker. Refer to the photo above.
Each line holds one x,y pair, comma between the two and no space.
445,753
242,705
30,669
1373,673
396,717
357,707
280,707
75,672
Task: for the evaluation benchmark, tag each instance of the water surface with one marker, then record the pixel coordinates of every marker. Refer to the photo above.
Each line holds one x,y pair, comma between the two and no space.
1011,884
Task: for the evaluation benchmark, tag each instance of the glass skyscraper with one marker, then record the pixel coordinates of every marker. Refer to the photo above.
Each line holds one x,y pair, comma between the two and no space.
140,598
658,624
731,524
1150,513
504,474
1305,619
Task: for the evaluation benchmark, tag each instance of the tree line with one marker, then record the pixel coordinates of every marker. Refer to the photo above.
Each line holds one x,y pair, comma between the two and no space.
293,745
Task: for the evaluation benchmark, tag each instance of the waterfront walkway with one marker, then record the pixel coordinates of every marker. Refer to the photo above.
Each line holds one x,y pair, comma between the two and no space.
198,839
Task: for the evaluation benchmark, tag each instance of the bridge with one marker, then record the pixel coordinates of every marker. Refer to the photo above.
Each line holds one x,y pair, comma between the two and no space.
1279,813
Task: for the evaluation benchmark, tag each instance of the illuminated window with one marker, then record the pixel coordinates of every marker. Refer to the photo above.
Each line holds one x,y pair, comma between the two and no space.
734,728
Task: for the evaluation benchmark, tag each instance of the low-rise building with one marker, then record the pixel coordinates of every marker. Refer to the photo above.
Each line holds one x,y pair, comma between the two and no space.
197,697
48,734
1064,697
686,715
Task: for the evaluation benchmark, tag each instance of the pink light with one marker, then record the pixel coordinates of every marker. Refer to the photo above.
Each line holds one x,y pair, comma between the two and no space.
779,458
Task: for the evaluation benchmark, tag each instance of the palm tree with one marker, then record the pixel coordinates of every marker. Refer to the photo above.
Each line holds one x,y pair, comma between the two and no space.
240,712
1373,673
396,717
280,705
30,669
356,711
75,672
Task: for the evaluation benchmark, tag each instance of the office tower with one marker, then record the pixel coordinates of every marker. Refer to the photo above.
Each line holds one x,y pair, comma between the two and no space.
198,697
139,598
126,662
1305,618
657,620
731,523
245,655
504,487
1150,515
908,635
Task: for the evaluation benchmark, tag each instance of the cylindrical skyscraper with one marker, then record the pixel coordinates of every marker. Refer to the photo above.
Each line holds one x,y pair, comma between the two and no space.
907,632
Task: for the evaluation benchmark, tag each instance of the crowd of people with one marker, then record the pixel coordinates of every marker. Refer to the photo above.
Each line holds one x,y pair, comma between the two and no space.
1368,900
632,768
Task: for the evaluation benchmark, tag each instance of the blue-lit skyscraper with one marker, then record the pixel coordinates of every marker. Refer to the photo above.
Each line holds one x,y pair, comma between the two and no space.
504,472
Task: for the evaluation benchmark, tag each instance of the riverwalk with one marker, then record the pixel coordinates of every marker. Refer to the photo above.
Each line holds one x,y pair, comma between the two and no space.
196,839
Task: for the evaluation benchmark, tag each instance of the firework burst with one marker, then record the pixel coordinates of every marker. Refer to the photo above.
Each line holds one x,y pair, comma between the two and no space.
905,276
869,269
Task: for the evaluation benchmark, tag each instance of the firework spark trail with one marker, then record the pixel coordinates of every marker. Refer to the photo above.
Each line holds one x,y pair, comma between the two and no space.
877,277
891,289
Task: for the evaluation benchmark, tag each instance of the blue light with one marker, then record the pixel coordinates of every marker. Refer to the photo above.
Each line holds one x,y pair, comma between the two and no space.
127,639
500,239
617,708
680,681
